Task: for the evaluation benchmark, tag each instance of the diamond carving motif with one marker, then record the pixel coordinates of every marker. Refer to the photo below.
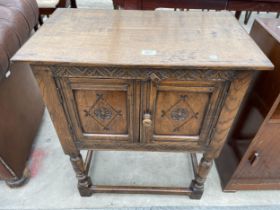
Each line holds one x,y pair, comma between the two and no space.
181,112
102,112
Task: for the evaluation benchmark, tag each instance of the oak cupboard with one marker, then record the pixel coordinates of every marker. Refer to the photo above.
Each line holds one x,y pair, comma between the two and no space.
142,81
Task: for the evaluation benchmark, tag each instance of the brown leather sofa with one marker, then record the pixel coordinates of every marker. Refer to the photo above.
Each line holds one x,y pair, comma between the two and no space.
21,106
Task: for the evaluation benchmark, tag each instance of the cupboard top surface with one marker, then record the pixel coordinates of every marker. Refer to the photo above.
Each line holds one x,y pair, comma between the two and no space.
212,40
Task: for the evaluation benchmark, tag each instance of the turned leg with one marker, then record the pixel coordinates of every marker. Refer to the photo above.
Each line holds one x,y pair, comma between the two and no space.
84,181
197,184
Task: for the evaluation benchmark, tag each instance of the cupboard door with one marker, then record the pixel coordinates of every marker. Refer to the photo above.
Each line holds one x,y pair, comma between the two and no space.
101,110
181,111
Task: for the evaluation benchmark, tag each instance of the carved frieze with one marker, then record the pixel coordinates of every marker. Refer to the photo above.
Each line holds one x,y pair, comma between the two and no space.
141,73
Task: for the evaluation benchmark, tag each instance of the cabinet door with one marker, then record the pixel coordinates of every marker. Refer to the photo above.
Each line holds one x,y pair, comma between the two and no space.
101,110
181,111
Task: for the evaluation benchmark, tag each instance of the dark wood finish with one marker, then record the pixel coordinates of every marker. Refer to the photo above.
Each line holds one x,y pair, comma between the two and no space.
254,145
231,5
153,4
169,92
61,4
186,4
254,5
236,5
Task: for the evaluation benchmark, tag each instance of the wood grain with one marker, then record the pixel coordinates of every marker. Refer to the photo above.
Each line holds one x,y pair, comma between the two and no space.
51,98
236,93
184,110
161,39
101,109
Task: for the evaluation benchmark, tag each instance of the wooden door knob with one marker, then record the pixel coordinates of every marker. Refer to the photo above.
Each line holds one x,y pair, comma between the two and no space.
147,121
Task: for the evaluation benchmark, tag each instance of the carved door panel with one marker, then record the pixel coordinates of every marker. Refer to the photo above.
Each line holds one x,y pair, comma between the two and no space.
101,109
181,111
